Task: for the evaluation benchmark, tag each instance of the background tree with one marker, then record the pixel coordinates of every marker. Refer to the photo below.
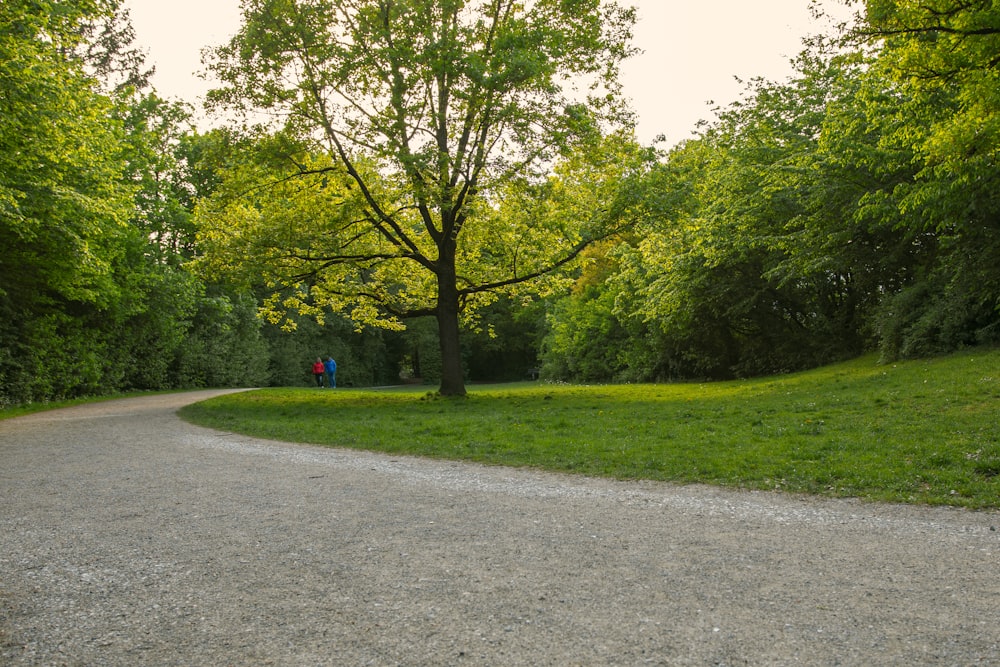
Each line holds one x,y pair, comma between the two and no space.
63,202
942,55
95,204
426,111
775,240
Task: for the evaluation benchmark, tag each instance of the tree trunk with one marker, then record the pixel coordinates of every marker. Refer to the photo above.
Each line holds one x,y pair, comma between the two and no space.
452,375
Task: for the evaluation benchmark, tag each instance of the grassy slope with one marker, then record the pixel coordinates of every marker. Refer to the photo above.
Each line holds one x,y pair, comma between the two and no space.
922,431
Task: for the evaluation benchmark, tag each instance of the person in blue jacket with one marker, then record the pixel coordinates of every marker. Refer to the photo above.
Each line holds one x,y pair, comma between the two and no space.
331,372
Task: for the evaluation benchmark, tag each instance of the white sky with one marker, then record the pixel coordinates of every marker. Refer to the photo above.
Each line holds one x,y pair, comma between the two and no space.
693,51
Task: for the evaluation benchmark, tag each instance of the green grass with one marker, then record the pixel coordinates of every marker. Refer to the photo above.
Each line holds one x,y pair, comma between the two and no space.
917,432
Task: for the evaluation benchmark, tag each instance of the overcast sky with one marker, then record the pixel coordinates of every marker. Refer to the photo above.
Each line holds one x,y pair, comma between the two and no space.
693,51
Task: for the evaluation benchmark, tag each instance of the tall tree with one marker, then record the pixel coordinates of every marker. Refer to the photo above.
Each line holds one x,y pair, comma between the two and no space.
430,110
775,238
95,198
59,176
948,50
945,56
63,205
160,134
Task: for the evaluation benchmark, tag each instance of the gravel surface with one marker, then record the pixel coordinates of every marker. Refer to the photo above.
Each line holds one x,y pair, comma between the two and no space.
128,537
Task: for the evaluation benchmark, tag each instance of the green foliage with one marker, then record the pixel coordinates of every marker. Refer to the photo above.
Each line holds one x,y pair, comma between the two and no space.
370,357
151,326
736,273
63,203
461,165
817,218
942,55
95,220
223,346
946,47
406,123
504,346
934,316
920,432
159,132
585,339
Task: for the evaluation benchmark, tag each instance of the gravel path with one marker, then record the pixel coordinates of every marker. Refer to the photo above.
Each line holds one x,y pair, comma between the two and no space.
128,537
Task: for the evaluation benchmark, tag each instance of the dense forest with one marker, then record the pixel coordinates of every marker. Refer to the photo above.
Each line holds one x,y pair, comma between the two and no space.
854,207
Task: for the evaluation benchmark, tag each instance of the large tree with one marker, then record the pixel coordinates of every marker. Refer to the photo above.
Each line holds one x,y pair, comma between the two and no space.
944,58
63,205
424,114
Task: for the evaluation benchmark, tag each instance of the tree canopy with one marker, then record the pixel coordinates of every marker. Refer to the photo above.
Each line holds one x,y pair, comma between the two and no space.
92,214
470,166
411,121
849,208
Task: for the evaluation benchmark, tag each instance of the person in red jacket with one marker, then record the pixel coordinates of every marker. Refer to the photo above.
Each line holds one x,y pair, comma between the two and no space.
318,371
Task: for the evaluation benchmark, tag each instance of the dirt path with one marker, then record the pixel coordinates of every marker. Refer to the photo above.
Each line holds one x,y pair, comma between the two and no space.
128,537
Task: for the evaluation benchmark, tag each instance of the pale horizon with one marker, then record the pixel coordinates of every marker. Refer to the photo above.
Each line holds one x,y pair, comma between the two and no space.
693,53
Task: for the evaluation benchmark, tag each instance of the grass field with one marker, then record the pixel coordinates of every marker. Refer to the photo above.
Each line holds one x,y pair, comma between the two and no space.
917,432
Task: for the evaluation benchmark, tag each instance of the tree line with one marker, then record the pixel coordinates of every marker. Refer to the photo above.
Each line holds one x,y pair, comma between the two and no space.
99,178
474,216
854,207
